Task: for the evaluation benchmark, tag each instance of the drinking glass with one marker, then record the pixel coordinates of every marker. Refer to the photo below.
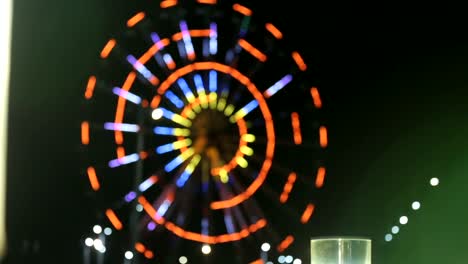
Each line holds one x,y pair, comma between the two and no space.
340,250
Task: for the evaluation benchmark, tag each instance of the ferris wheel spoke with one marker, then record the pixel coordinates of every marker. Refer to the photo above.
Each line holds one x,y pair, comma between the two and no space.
188,171
206,181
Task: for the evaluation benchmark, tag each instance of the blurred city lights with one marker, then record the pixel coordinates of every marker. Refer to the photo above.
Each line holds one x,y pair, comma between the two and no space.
107,231
99,246
206,249
97,229
416,205
89,242
157,114
403,220
388,237
265,247
183,260
139,208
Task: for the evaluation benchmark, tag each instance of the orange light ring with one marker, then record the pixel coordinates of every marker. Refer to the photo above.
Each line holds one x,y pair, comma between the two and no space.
194,33
208,2
198,237
90,87
307,213
316,97
285,243
137,18
242,9
153,50
244,80
274,31
93,179
165,42
120,109
108,48
115,221
168,3
85,133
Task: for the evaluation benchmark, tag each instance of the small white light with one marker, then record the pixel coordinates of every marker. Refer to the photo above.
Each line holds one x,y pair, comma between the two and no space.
434,181
206,249
265,247
97,229
102,250
98,245
89,242
281,259
288,259
403,220
416,205
107,231
297,261
183,260
139,208
128,255
157,114
388,237
269,262
395,230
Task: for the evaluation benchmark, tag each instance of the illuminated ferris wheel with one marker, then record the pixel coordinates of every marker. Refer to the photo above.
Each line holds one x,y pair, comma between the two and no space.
193,129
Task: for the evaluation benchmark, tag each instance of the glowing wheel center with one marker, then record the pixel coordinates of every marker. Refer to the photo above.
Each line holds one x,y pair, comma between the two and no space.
210,131
235,116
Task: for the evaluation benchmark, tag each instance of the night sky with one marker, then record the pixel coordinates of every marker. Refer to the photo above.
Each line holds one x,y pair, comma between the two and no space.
394,83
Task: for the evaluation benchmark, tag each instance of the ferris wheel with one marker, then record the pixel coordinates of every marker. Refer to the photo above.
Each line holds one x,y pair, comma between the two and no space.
202,133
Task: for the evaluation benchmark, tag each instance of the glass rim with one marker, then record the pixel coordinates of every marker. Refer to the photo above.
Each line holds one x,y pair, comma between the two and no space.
348,238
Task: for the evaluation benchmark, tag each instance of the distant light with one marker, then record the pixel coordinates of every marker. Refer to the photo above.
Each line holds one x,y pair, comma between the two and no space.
107,231
139,208
388,237
89,242
395,230
281,259
206,249
434,181
151,226
157,114
99,246
97,229
183,260
416,205
297,261
269,262
130,196
265,247
288,259
403,220
128,255
98,243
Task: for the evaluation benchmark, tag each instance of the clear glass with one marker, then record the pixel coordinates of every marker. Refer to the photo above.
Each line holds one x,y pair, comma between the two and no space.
340,250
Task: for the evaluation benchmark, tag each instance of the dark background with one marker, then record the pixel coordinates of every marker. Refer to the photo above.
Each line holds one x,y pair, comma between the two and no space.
394,82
